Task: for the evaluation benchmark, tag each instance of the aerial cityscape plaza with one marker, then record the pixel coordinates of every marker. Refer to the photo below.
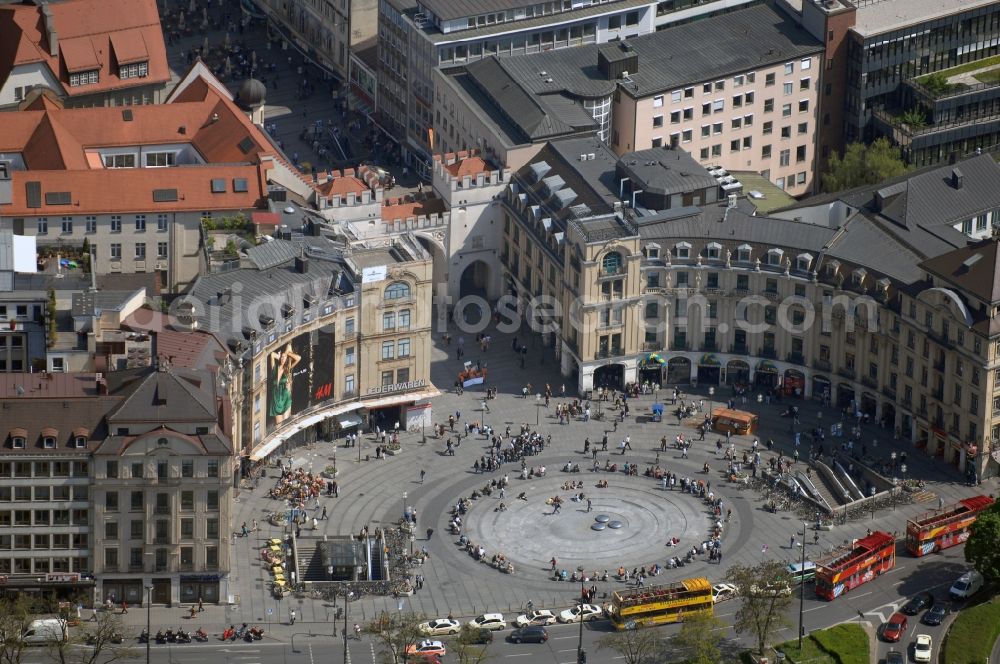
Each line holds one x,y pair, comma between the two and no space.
454,331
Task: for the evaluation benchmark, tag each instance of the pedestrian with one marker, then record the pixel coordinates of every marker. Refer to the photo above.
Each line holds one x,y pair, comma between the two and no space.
816,537
791,543
124,607
430,531
422,473
323,517
588,504
201,604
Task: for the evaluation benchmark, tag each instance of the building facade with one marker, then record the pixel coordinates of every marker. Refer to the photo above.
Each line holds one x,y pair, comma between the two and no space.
416,38
919,72
876,299
750,103
355,319
164,484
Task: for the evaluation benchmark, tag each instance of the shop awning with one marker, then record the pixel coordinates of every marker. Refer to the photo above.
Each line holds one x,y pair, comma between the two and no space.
766,365
273,443
348,420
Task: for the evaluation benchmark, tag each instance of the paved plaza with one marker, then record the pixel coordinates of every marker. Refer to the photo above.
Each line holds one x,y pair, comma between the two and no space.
528,533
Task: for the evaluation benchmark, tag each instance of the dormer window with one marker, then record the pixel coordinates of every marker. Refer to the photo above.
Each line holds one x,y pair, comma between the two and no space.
682,250
652,251
49,443
84,78
79,442
713,250
832,267
774,256
803,262
859,276
743,253
134,70
17,443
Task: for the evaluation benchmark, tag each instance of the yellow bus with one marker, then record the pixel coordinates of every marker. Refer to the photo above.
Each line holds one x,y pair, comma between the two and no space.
653,605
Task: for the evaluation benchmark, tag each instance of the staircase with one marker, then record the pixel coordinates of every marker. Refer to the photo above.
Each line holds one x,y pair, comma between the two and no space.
826,491
312,566
376,556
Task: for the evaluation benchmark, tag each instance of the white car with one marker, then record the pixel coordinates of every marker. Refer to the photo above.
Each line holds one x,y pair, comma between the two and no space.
723,591
439,627
770,590
492,621
587,611
539,617
922,647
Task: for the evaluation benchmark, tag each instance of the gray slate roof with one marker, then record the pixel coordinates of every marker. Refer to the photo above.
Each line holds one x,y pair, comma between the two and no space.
666,171
166,396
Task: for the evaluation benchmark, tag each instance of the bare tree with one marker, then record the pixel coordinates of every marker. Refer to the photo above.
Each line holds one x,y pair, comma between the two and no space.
765,591
468,647
700,636
395,633
634,645
105,641
15,614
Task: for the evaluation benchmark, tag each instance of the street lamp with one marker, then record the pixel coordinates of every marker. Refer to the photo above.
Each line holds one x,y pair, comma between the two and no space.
711,400
802,584
149,607
412,538
538,407
872,492
405,517
581,654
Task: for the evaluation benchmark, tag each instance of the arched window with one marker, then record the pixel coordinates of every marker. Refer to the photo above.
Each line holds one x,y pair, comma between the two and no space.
612,263
397,291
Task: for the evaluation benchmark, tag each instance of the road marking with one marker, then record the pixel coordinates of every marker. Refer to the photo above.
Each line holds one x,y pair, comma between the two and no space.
815,608
556,638
567,650
863,594
520,654
311,661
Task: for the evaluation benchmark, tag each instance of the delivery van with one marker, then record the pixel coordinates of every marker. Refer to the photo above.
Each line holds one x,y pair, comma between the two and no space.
45,631
967,585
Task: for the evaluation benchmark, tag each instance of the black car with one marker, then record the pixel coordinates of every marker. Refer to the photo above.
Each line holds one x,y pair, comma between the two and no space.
936,614
918,604
531,634
894,657
481,636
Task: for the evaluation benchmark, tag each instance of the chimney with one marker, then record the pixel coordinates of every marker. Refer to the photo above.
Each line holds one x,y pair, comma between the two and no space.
301,264
956,178
51,35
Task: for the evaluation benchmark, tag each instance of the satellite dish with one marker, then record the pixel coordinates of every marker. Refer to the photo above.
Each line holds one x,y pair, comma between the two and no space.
289,210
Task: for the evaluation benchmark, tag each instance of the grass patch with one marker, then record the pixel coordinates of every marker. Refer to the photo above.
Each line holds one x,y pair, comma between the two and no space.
967,67
989,77
972,635
843,644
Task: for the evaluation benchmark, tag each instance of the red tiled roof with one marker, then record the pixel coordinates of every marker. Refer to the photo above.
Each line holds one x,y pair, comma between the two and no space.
92,34
266,218
471,166
52,138
394,209
342,186
133,190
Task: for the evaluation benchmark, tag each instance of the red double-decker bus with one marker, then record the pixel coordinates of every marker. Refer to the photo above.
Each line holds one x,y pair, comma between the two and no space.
850,566
945,527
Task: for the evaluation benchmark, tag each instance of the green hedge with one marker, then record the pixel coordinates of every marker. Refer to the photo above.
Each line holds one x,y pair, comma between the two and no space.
843,644
971,637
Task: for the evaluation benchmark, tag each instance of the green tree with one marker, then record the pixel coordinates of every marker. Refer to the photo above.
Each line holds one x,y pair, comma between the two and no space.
15,614
699,638
105,642
981,548
914,118
395,633
936,83
765,593
635,645
863,164
467,647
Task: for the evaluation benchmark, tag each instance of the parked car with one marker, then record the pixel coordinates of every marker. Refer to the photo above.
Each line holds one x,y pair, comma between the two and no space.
489,621
439,627
530,634
427,648
936,615
894,657
967,585
723,591
895,628
918,604
45,631
539,617
586,611
481,635
922,648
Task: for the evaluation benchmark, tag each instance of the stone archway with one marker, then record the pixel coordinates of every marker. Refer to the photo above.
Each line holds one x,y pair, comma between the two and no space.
439,260
475,280
611,376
